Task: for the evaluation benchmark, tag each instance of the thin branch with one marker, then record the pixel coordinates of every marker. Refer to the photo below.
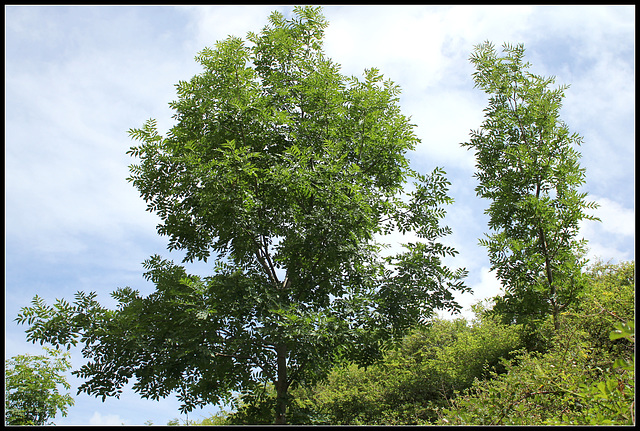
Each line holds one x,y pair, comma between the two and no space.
263,258
269,261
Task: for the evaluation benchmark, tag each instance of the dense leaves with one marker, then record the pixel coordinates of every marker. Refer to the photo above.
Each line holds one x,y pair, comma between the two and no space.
582,379
32,388
416,378
478,373
527,165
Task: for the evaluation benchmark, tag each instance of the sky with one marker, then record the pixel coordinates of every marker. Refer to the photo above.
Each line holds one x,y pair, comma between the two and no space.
77,78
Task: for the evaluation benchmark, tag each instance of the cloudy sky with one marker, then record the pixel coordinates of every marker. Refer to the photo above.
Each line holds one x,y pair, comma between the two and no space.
77,78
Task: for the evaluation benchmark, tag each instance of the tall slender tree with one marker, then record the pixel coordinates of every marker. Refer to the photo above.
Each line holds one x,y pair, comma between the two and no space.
286,173
528,166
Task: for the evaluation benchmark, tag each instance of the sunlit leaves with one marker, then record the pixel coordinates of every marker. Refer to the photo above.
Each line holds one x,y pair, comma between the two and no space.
528,166
572,384
32,392
415,379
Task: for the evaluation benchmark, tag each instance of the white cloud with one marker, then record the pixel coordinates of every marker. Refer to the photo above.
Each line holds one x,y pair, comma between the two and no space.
616,219
613,237
485,287
216,23
442,132
606,251
99,419
67,135
488,286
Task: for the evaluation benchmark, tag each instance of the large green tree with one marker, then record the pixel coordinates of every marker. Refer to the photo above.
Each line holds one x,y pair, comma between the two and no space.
287,174
528,166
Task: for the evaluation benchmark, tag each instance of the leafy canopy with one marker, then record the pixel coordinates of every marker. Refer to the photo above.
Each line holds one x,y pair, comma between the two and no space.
527,165
32,394
286,173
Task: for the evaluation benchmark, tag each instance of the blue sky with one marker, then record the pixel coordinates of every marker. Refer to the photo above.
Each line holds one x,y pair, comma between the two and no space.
77,78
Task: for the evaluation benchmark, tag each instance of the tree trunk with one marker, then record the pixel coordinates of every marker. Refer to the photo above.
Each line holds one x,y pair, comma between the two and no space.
281,385
552,288
547,263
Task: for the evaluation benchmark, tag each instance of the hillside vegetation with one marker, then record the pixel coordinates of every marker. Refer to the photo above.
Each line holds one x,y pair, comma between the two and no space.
481,372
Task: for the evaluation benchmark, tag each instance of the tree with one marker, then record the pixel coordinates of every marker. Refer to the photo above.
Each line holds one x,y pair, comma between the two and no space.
527,165
287,173
410,385
31,390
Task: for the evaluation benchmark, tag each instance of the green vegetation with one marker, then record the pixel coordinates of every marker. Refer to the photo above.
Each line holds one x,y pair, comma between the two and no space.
31,391
583,379
480,372
287,172
416,378
528,166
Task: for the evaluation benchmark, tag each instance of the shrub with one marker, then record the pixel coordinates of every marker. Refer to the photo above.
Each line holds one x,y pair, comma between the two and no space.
417,378
31,388
586,377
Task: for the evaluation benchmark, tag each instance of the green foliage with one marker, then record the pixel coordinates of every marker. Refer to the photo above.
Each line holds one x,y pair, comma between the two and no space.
286,173
257,408
527,165
564,386
477,373
216,419
32,395
418,377
608,300
583,379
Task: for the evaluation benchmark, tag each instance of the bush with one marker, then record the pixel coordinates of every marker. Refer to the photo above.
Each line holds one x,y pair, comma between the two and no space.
418,377
609,299
585,378
563,386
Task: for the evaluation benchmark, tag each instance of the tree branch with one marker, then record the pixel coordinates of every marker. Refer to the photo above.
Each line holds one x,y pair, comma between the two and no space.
262,255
